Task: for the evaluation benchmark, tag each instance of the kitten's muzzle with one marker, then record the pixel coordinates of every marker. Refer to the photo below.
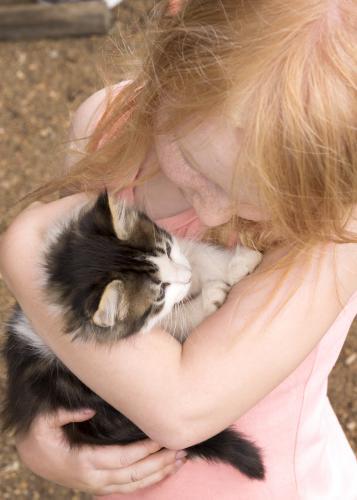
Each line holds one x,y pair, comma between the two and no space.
171,271
184,275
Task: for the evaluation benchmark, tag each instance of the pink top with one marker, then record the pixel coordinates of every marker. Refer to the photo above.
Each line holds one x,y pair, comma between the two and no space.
307,455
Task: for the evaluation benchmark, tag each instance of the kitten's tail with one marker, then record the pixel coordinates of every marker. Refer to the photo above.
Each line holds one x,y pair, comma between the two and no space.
232,448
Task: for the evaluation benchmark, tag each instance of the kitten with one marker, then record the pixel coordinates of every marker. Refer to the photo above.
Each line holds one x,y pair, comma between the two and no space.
111,272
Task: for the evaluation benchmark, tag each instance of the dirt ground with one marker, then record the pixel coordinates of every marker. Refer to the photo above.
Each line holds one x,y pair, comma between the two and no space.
42,82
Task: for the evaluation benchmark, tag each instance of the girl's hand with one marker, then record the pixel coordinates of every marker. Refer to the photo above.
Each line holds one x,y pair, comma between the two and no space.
99,470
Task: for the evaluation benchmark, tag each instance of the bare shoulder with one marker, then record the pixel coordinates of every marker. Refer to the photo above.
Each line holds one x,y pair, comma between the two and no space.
86,118
88,114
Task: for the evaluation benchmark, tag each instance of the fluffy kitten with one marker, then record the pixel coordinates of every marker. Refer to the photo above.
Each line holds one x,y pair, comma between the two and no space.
111,272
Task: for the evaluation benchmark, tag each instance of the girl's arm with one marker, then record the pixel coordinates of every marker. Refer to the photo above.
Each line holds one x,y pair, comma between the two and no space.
180,395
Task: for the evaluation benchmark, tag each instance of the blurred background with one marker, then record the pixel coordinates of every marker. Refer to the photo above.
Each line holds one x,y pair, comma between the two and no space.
42,83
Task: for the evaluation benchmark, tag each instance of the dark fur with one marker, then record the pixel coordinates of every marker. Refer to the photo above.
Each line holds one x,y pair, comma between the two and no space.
86,257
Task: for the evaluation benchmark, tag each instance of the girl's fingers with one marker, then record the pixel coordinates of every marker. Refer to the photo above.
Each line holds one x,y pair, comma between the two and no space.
117,457
143,483
144,468
63,417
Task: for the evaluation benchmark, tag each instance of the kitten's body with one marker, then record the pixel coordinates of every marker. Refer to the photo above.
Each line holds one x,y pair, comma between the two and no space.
112,272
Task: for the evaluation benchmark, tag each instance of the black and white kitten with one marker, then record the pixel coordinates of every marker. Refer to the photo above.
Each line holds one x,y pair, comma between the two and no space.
111,272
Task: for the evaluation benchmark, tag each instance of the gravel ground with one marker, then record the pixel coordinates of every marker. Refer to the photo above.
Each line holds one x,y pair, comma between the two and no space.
42,83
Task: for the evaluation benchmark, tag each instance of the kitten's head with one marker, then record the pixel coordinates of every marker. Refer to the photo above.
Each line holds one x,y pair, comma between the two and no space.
115,271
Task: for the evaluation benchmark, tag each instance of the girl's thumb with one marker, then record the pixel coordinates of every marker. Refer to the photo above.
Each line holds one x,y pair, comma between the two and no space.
63,417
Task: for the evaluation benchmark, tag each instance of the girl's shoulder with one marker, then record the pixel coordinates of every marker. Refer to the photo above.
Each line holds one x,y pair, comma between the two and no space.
88,114
86,118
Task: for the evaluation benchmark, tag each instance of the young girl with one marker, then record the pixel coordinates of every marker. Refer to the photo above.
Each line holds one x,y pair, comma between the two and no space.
239,122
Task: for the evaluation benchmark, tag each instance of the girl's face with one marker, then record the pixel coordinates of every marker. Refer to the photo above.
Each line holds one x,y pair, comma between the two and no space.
202,166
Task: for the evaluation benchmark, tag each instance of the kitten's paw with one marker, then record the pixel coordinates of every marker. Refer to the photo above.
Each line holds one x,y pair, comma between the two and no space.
214,294
244,261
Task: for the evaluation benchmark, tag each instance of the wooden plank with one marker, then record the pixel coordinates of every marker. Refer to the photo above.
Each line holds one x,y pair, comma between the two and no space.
44,20
16,2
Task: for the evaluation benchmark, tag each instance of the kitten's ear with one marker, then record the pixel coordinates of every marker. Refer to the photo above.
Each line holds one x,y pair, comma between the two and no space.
113,305
123,218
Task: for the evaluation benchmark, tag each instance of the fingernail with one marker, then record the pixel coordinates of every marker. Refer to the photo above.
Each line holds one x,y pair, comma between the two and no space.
87,411
180,462
181,454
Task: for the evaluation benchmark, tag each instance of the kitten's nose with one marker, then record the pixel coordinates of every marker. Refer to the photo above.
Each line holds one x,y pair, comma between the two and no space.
185,274
172,272
180,273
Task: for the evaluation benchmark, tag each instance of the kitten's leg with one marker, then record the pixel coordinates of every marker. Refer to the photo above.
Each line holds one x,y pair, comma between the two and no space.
186,316
215,291
214,294
243,262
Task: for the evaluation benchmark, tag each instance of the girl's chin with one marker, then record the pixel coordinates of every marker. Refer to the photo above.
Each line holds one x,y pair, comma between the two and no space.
212,219
210,214
251,212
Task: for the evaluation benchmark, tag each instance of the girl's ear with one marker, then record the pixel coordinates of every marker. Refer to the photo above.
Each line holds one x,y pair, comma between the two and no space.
123,218
113,305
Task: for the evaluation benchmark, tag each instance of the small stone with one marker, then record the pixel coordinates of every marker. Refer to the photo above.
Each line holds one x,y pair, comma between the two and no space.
45,132
22,57
351,426
23,485
351,359
20,75
53,94
10,468
53,54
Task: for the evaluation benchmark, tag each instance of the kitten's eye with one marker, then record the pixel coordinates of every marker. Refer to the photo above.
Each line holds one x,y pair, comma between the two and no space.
168,249
163,287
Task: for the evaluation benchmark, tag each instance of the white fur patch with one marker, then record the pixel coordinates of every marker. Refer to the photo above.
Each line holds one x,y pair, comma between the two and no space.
23,328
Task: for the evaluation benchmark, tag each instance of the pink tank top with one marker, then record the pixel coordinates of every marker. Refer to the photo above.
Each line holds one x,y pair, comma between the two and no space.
306,453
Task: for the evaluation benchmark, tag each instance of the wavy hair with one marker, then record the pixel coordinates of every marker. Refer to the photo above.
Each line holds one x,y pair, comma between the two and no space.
284,71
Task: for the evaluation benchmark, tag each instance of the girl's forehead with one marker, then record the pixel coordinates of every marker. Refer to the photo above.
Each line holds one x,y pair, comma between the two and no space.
208,153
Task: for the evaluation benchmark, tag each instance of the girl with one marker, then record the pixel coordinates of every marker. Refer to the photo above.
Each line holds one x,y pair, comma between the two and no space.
239,121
